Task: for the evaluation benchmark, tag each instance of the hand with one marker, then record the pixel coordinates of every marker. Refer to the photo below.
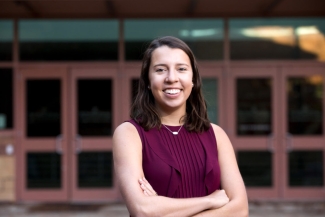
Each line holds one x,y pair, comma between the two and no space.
147,188
218,198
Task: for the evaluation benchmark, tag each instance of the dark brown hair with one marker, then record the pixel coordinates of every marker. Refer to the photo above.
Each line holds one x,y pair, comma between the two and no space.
143,108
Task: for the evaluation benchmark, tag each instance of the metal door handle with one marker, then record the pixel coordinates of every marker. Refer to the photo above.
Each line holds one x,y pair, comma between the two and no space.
289,142
58,144
269,143
78,144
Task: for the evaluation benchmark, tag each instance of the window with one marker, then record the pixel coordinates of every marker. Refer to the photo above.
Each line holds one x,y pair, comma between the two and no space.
63,40
306,168
305,105
6,99
254,112
204,36
210,92
277,38
256,168
6,38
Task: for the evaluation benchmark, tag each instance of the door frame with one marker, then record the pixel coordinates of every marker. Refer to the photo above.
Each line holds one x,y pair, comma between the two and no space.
299,142
37,144
67,75
91,143
256,143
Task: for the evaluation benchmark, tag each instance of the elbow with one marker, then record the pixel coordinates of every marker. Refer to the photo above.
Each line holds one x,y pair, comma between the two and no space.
142,211
241,209
244,213
138,212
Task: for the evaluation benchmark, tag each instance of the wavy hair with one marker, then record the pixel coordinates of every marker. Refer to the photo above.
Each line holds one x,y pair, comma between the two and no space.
143,108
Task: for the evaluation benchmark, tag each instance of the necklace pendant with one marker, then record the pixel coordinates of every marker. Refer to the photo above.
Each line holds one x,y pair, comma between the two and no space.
173,132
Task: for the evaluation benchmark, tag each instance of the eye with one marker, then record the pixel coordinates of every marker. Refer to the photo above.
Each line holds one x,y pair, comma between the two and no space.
159,70
182,69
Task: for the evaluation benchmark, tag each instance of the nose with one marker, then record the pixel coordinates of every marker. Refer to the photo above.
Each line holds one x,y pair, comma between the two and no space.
172,76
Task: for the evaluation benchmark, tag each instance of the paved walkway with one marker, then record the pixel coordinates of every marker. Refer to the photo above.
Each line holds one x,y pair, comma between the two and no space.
261,209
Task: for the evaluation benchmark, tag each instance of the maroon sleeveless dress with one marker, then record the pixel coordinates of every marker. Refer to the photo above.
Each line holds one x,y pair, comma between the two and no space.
180,166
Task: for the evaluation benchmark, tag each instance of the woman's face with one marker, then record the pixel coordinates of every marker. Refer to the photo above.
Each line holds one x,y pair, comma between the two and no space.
170,77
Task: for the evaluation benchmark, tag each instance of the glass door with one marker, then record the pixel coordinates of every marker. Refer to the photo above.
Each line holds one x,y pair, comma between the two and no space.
253,119
213,88
303,133
44,139
93,118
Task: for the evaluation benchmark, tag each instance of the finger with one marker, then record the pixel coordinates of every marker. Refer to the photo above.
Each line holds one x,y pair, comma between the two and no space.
148,185
149,191
143,185
145,180
145,188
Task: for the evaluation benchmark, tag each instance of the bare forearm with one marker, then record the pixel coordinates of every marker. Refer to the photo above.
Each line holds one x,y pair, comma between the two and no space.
149,204
234,208
164,206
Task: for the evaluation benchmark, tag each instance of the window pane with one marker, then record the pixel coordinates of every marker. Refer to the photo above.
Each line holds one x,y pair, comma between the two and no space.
95,107
305,105
306,168
254,113
277,38
6,99
43,170
204,36
210,88
6,39
43,108
60,40
95,169
256,168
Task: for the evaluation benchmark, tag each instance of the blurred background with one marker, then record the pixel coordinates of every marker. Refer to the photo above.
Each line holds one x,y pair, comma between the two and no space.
69,71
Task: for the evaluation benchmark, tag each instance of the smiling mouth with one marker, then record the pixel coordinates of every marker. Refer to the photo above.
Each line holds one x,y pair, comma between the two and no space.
172,91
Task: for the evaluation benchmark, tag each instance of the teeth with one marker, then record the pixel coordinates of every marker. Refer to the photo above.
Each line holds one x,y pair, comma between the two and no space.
172,91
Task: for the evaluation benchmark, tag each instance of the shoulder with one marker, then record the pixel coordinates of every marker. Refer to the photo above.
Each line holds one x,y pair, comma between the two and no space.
220,135
126,132
126,127
218,131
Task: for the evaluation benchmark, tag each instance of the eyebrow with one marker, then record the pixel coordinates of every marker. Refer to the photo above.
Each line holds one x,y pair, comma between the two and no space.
162,64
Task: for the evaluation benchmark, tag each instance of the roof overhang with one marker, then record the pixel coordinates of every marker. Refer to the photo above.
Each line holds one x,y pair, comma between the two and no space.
72,9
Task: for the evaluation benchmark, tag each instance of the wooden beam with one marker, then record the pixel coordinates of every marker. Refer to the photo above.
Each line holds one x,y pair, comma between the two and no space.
271,6
28,6
191,7
110,8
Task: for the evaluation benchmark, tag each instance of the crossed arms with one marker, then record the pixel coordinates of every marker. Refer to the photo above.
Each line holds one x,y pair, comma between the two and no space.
141,199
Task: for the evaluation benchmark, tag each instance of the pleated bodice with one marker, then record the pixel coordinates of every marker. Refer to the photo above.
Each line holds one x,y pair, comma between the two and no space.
180,166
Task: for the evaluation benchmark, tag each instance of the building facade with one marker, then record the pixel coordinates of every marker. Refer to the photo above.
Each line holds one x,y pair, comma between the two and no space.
68,79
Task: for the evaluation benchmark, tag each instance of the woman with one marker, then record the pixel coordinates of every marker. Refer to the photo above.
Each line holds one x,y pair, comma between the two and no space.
169,159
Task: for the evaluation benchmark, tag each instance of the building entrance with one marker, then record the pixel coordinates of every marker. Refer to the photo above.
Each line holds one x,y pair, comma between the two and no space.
276,124
273,114
67,122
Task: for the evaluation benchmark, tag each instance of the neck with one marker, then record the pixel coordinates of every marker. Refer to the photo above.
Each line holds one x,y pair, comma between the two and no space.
172,119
